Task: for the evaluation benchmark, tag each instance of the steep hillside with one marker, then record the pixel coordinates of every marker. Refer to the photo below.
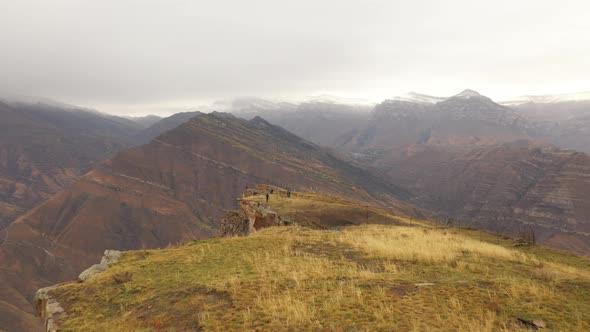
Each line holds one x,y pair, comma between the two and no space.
407,276
172,190
45,148
505,188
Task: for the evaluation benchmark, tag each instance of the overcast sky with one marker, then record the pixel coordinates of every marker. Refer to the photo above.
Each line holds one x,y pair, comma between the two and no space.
149,56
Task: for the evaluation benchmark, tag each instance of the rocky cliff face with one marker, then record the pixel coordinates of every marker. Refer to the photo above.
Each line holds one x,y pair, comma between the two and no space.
251,217
254,215
465,119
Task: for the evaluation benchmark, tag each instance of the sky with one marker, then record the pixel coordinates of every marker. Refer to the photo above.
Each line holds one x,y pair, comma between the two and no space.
134,57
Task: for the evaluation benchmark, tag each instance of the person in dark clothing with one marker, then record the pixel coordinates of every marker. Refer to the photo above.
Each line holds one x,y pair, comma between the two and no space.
267,197
289,193
271,191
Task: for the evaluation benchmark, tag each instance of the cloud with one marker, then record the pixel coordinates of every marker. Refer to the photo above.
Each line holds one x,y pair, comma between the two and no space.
126,54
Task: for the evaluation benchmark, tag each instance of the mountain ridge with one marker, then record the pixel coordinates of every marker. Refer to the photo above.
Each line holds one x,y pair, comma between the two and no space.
172,190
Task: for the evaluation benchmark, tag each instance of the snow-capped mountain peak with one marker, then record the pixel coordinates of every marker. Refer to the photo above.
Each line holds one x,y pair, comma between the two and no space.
467,94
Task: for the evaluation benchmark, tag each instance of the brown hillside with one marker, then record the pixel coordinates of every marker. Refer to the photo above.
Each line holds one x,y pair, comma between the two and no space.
172,190
505,188
45,148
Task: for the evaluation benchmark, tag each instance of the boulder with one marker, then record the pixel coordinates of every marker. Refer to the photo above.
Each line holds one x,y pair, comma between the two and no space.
109,257
50,310
535,324
92,271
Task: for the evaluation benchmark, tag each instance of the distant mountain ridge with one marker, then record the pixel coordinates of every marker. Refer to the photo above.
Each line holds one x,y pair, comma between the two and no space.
467,118
565,119
145,121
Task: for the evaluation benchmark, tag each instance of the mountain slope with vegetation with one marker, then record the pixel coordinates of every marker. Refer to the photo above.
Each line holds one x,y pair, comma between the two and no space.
402,274
172,190
503,188
45,148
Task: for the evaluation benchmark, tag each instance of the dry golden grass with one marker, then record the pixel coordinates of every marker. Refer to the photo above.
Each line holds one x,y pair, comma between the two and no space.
424,244
363,278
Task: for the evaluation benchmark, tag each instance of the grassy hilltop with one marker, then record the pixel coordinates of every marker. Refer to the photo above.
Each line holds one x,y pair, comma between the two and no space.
394,275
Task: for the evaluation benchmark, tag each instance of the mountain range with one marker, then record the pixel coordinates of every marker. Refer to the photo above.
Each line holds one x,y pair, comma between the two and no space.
74,182
471,159
47,147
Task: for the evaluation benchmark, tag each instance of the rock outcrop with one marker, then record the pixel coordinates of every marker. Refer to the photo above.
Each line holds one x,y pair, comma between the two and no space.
109,257
251,217
50,310
235,223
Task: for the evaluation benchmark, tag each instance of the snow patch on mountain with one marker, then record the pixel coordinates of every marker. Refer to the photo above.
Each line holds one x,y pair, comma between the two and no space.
414,97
